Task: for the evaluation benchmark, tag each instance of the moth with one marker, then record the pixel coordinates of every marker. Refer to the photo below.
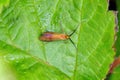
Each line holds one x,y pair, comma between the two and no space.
53,36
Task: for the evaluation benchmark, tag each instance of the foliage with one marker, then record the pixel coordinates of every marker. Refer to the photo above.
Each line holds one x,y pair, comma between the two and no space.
25,57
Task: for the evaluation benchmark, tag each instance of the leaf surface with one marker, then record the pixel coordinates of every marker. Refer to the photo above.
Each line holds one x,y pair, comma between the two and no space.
115,74
3,3
22,23
117,44
116,71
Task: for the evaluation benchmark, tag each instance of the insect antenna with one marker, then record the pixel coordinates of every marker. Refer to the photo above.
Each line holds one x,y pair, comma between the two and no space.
73,43
72,34
74,30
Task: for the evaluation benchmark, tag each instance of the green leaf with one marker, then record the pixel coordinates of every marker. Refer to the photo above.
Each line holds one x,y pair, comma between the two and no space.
29,58
3,3
17,63
115,74
117,44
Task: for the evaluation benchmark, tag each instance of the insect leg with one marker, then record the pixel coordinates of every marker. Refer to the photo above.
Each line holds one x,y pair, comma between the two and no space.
62,27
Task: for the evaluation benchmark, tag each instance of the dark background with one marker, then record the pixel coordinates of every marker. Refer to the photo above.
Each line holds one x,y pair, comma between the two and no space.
112,5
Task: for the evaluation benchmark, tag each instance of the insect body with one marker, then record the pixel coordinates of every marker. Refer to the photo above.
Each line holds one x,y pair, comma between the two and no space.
52,36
